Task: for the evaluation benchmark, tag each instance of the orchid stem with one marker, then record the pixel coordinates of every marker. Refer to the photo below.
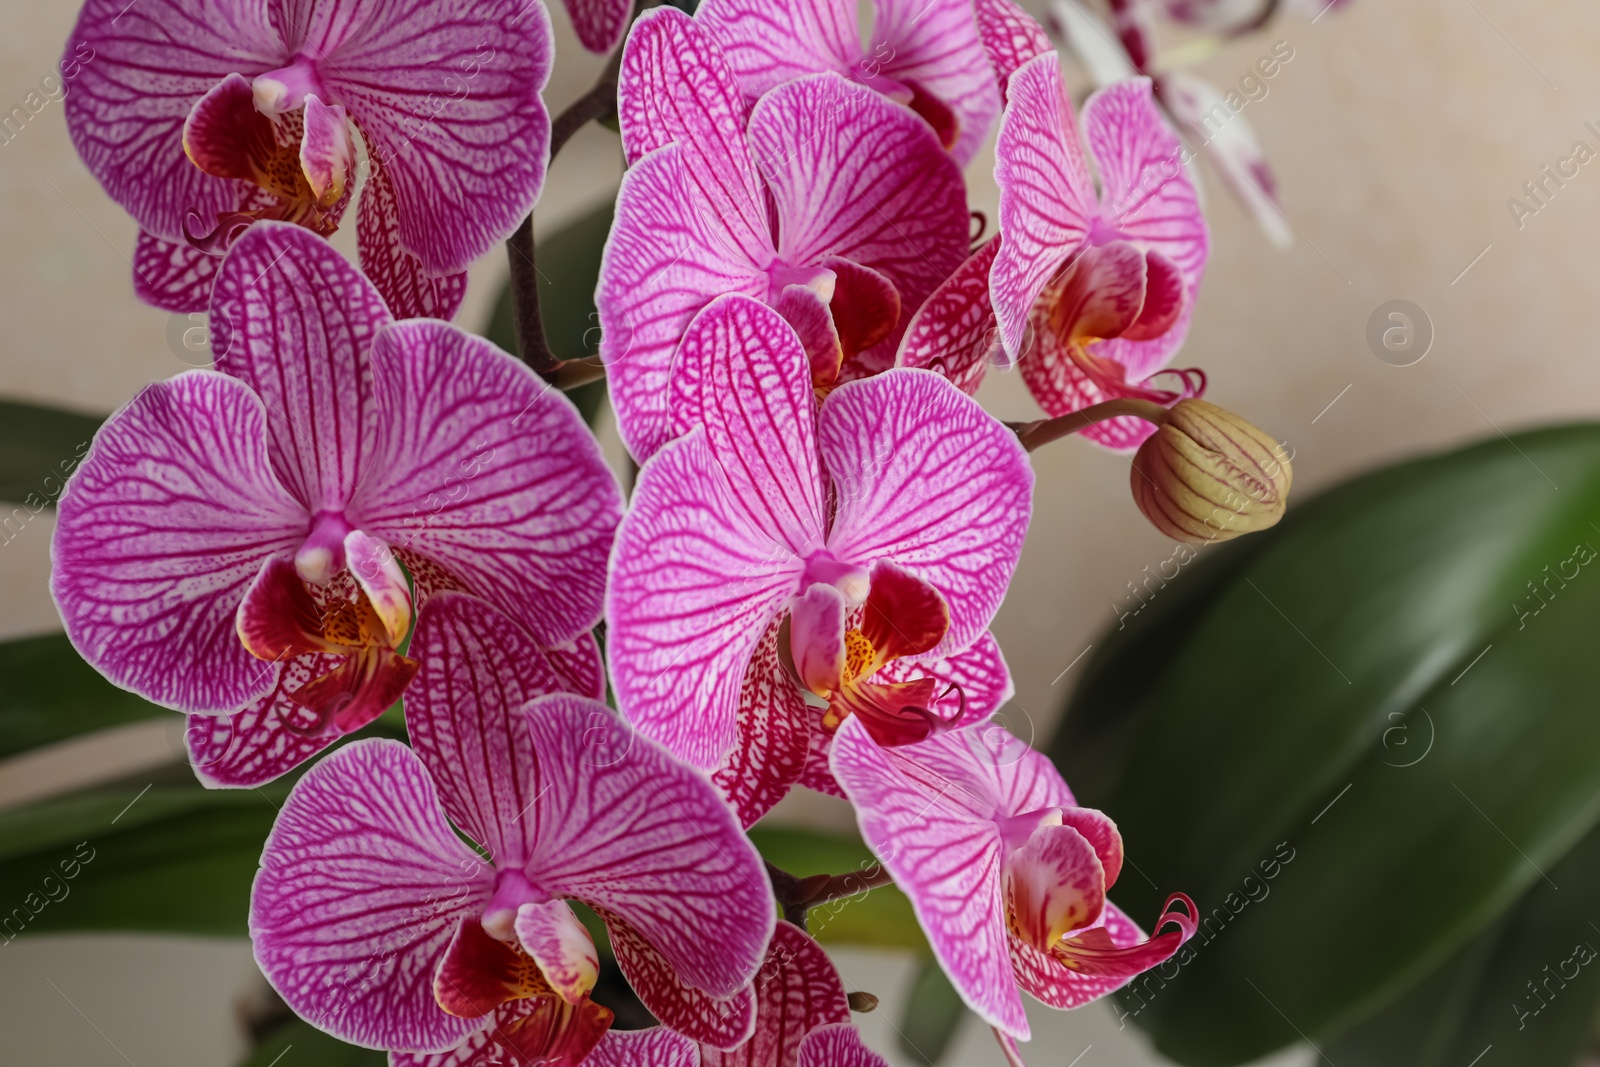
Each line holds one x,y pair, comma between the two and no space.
1034,435
796,896
528,320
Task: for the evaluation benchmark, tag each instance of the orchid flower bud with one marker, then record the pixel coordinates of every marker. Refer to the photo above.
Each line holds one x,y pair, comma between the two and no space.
1208,475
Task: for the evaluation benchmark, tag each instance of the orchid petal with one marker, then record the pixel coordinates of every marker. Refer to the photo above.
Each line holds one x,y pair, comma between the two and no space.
463,135
934,46
741,373
797,991
173,276
774,735
838,1045
146,67
620,825
693,587
1047,201
1147,194
954,333
600,24
580,667
667,257
1010,37
407,288
768,44
676,88
486,469
1235,151
723,1023
269,738
292,319
926,477
362,886
557,941
894,200
947,859
160,532
479,669
655,1047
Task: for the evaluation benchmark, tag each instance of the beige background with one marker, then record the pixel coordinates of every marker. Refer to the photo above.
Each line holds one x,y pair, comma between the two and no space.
1398,133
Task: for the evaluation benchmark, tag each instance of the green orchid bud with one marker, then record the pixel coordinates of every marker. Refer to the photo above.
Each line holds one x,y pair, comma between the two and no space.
1208,475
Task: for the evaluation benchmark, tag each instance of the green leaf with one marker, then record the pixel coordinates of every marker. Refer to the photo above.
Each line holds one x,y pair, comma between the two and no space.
1366,690
39,448
932,1014
881,918
310,1048
166,859
1521,987
569,269
48,693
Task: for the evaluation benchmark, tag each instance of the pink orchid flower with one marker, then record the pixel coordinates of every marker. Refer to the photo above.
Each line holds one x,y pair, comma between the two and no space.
925,54
377,923
1093,291
835,206
200,118
880,531
234,539
802,1020
1007,875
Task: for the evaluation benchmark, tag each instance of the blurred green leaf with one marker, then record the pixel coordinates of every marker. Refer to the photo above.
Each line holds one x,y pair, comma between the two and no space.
48,693
569,269
1520,987
166,859
1374,690
933,1012
311,1048
39,448
881,918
